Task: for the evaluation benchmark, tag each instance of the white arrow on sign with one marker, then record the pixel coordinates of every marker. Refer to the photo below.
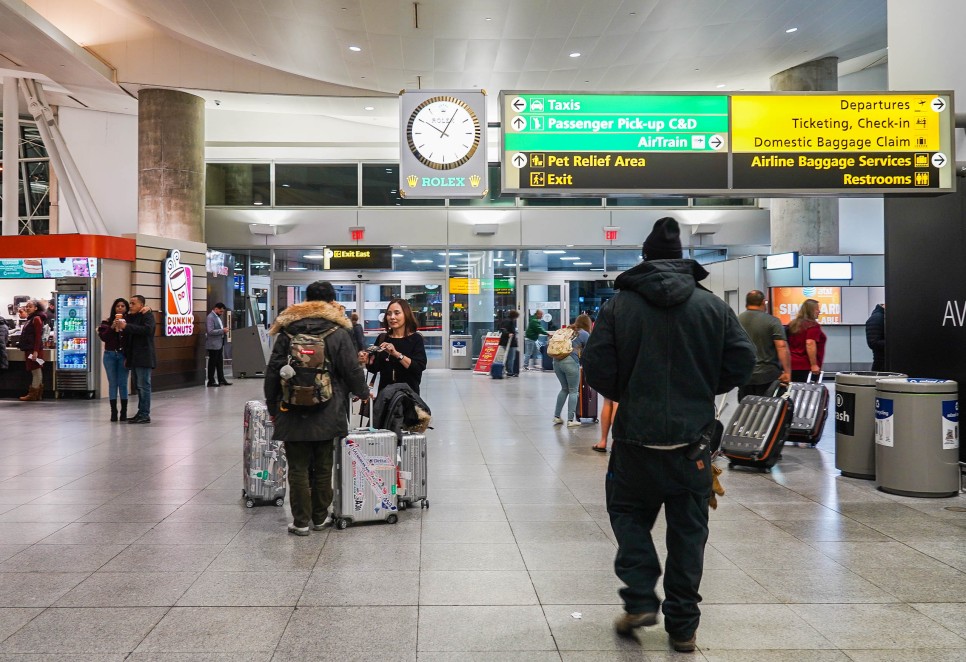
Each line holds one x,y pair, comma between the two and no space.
716,142
519,160
518,123
939,160
938,104
518,104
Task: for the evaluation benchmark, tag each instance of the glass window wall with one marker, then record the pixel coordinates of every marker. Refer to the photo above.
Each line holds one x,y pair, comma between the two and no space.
238,184
380,188
563,259
316,185
482,290
493,198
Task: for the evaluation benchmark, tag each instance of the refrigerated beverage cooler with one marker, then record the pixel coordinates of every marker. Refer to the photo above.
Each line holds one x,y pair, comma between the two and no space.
74,338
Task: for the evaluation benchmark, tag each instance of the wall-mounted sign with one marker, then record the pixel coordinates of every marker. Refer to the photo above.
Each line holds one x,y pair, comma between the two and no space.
464,285
177,307
785,302
356,257
49,267
442,148
779,143
598,143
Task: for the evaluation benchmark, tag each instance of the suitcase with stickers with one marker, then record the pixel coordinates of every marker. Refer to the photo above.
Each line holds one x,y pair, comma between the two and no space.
365,478
265,468
756,433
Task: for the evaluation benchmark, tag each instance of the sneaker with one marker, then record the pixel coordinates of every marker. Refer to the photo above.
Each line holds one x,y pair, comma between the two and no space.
573,424
684,645
625,624
298,530
327,522
557,420
140,420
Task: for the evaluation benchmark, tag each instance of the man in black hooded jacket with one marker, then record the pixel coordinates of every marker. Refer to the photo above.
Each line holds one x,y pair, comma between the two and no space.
663,348
309,433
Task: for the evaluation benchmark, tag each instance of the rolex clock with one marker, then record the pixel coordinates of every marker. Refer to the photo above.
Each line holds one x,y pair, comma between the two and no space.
442,144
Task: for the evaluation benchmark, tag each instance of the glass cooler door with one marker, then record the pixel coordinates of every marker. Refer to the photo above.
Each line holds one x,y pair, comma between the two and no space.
72,331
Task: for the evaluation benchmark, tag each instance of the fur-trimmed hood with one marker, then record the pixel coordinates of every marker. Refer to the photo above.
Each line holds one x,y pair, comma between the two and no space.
332,312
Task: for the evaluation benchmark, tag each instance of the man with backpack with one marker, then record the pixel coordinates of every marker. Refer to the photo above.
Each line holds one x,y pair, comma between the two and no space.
663,348
313,368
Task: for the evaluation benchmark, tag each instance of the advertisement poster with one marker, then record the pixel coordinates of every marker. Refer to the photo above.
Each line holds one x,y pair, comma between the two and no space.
179,320
491,344
29,268
785,302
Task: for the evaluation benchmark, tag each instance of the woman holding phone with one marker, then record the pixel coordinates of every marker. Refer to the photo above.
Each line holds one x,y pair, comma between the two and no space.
117,374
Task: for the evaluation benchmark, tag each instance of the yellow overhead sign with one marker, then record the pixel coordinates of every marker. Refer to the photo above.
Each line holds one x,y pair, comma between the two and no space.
837,123
464,285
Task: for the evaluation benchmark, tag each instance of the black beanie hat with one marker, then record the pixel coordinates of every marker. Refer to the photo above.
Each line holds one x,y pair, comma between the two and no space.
664,242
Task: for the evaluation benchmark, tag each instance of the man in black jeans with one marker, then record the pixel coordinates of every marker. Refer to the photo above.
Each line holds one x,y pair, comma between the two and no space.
309,432
663,348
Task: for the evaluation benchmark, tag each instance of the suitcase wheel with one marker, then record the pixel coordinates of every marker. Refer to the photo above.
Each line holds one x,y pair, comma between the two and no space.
402,505
249,503
279,502
424,504
392,519
731,465
341,523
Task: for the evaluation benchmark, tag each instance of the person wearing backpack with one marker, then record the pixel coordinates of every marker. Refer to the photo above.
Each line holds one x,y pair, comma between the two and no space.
313,369
564,348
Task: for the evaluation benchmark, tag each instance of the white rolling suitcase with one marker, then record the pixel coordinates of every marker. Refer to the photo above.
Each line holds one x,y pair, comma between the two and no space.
412,470
265,468
365,478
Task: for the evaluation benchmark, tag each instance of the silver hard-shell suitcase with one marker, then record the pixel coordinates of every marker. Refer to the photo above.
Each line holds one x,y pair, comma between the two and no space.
811,409
413,470
365,477
756,433
265,468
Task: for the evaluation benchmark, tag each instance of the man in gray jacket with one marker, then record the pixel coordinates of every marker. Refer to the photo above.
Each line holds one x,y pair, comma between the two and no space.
309,432
663,348
215,344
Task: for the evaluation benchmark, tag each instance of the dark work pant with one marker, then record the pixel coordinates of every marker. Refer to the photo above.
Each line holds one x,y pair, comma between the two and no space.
216,364
309,480
639,481
755,389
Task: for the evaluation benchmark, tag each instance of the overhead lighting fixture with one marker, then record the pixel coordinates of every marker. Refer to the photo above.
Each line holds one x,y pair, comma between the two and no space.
582,264
511,264
597,269
487,19
354,49
421,261
369,108
720,86
298,268
313,256
791,30
570,258
575,54
286,185
499,259
554,252
398,255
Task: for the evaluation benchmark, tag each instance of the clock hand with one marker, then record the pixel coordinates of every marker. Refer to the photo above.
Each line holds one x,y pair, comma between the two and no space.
432,126
448,123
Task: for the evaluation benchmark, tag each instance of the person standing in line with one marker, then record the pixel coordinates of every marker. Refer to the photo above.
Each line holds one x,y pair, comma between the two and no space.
531,348
806,342
875,337
509,326
139,355
215,344
567,370
309,433
768,336
117,373
663,347
32,345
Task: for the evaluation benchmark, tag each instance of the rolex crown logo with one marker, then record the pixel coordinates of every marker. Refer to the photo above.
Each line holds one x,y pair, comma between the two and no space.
474,180
412,180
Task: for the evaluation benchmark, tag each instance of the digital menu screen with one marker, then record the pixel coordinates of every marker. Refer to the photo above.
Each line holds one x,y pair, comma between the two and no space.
785,302
79,267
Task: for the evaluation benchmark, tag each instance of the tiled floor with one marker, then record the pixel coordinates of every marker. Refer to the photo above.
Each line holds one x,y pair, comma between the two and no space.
123,542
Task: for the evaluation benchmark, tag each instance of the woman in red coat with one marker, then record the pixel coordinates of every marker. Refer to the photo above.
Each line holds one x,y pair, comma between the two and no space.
806,341
32,344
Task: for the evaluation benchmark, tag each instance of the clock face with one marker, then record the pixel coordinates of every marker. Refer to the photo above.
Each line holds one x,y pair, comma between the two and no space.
443,132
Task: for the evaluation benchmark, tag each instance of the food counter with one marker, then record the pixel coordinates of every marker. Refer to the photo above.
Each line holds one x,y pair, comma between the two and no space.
15,381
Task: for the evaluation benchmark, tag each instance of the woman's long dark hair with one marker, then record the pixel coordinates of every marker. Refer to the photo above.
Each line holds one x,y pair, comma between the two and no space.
411,325
127,307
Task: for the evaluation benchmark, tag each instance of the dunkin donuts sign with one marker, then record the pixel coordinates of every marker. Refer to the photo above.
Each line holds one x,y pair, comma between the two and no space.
179,320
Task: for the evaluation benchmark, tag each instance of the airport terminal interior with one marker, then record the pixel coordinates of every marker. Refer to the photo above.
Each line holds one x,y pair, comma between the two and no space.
132,543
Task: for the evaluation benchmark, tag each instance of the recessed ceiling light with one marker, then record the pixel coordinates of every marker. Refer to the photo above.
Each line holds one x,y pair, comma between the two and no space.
554,252
369,108
721,85
354,49
499,259
397,255
571,258
575,54
791,30
487,19
313,257
298,268
582,264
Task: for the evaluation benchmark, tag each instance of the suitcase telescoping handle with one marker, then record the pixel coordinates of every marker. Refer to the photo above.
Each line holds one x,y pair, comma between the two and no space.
821,376
779,390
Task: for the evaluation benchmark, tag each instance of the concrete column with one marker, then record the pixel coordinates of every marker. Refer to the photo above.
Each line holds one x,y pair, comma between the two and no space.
171,165
11,156
808,225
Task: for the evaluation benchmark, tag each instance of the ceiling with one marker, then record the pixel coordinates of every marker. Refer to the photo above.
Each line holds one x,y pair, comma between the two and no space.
301,48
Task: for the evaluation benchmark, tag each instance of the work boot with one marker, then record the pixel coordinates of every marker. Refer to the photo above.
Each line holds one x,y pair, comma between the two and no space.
33,394
113,411
123,410
625,624
683,645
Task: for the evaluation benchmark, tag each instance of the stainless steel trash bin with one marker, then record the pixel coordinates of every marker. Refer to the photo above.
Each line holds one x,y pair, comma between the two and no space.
917,437
855,422
461,352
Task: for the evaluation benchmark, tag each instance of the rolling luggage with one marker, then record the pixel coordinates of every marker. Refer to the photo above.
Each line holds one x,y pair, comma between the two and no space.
265,468
546,362
365,477
756,433
587,402
810,401
412,471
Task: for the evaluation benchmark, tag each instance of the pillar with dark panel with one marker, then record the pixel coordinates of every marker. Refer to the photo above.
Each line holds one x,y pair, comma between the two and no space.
807,225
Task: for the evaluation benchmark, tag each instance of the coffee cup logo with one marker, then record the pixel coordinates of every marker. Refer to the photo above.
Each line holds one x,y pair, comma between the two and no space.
179,287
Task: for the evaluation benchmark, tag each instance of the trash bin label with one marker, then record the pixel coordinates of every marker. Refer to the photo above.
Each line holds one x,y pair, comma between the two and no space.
459,348
884,421
950,424
845,413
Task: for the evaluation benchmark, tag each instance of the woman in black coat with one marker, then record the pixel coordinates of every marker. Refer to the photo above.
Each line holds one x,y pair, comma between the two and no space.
402,355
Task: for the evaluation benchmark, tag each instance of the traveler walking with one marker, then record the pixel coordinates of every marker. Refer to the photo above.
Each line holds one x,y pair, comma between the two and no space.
768,336
875,336
509,327
531,343
806,342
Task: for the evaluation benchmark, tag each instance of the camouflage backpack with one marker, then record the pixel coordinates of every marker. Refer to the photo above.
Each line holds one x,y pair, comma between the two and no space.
309,383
